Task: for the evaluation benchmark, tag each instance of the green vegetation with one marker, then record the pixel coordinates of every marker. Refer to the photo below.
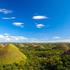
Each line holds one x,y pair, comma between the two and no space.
10,54
35,56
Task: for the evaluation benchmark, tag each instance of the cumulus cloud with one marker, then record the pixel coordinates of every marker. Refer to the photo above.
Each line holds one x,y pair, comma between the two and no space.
18,24
5,11
7,18
9,38
40,25
39,17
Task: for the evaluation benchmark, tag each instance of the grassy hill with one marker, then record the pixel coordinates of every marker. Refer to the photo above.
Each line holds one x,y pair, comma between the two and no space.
10,54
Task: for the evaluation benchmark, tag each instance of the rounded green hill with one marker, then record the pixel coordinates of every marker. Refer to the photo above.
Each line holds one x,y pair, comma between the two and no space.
10,54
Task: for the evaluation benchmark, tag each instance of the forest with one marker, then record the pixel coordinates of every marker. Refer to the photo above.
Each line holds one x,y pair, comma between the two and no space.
37,56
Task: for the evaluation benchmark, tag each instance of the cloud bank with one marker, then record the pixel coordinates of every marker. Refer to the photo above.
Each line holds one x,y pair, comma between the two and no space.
9,38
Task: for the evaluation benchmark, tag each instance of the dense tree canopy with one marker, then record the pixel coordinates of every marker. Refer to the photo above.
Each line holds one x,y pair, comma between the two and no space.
41,56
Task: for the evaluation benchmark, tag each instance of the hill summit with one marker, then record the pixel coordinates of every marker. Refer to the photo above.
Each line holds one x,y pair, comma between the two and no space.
10,54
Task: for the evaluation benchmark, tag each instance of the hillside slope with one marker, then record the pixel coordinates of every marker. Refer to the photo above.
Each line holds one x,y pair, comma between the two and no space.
10,54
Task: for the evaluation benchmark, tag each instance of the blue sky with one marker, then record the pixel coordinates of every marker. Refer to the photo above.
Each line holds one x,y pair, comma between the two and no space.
34,20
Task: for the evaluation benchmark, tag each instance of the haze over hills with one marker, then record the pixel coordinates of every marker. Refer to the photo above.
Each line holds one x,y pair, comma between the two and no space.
21,39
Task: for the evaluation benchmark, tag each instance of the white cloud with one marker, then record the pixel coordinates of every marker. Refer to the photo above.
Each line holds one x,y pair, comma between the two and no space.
39,17
6,18
56,37
9,38
40,25
1,36
5,11
18,24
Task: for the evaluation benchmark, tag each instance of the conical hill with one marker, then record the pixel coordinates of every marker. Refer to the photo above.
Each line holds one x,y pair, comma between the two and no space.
10,54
